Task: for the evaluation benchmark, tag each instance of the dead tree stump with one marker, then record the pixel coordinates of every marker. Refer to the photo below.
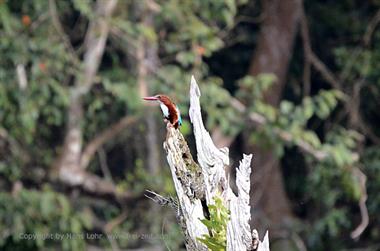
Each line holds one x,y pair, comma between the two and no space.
197,185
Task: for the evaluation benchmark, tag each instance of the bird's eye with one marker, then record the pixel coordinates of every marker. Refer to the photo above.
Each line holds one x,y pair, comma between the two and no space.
158,96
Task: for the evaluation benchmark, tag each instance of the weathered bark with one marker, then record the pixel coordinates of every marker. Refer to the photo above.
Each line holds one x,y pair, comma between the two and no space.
273,53
197,185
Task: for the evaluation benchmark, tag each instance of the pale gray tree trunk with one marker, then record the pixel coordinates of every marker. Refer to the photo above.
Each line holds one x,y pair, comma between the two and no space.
70,164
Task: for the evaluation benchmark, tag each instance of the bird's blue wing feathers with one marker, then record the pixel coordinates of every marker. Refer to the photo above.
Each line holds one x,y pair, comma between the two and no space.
180,120
179,116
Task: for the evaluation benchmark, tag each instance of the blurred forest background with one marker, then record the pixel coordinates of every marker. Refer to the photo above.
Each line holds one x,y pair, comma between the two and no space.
296,83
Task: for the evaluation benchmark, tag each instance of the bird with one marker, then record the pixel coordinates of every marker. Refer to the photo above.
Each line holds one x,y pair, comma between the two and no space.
169,109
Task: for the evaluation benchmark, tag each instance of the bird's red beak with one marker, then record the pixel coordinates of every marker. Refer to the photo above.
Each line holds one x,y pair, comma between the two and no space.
150,98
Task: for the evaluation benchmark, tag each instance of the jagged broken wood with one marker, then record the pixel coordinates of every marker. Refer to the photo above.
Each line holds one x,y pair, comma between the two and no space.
197,185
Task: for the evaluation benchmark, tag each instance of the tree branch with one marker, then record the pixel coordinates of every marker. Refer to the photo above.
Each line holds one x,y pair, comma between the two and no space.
371,28
96,186
106,135
95,41
312,58
306,49
362,204
21,77
115,222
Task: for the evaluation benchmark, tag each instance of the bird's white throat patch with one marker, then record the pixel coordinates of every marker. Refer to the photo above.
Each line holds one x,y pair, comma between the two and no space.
164,109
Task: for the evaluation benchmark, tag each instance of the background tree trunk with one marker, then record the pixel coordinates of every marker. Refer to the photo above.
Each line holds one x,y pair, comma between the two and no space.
94,47
148,62
273,53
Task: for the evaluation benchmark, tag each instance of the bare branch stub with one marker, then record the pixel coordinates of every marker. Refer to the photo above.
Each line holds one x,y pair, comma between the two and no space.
240,208
212,160
161,200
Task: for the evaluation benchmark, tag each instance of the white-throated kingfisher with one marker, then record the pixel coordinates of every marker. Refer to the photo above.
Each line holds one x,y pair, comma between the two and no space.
169,109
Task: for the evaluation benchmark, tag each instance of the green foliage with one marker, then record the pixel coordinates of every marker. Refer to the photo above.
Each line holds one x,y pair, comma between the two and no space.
253,88
216,102
83,6
194,23
293,119
40,219
216,240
